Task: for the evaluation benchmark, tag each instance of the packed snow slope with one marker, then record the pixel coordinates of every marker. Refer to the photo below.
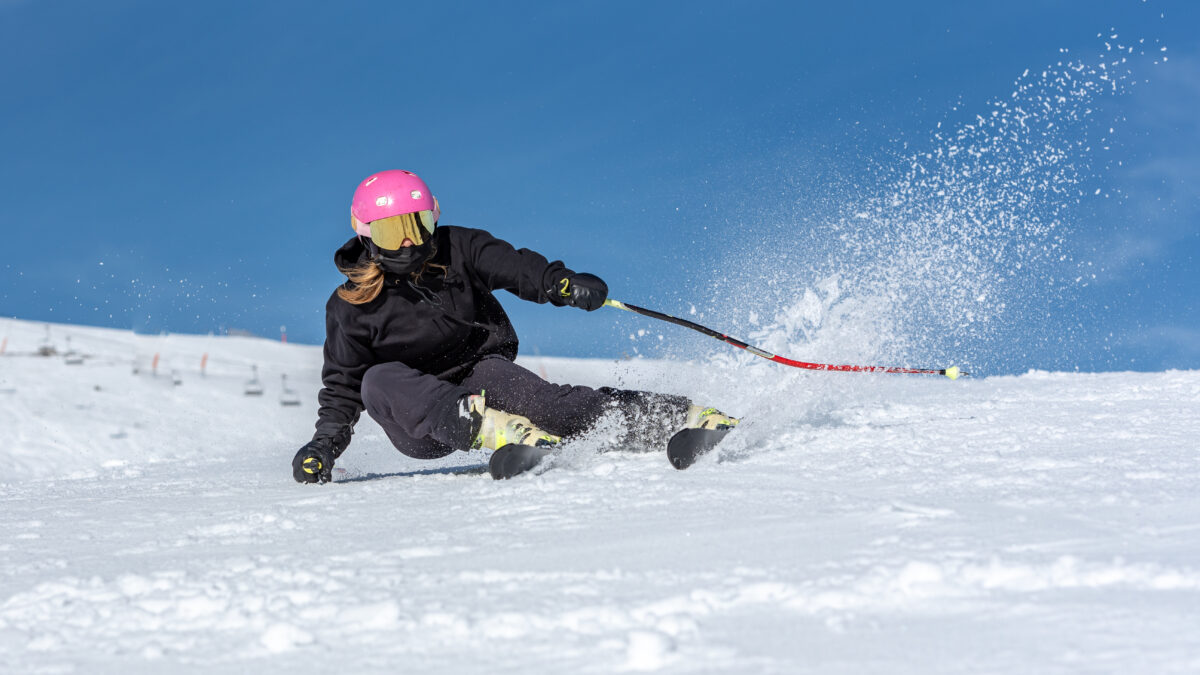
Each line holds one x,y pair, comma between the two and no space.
855,523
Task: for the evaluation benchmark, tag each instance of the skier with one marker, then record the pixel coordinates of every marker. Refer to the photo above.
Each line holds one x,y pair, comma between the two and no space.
416,338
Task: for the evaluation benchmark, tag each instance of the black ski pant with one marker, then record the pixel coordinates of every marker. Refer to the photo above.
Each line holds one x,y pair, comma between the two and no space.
424,418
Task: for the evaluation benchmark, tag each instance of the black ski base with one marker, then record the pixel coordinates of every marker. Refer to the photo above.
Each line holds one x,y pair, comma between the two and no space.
686,446
514,459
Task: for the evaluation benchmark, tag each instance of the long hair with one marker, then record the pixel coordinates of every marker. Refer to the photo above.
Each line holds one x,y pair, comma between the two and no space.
366,278
366,283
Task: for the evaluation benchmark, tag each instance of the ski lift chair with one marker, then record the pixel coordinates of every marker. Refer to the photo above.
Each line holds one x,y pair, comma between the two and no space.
253,386
288,397
72,357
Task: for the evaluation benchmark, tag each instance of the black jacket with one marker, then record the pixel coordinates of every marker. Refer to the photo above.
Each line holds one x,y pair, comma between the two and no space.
441,323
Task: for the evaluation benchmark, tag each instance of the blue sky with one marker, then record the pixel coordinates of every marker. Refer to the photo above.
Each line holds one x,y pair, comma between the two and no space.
188,166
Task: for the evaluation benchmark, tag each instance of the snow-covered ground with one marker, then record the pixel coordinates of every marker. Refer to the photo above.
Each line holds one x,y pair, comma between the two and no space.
1042,523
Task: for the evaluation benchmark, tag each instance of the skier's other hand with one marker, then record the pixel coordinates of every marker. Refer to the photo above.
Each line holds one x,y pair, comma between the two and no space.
313,463
585,291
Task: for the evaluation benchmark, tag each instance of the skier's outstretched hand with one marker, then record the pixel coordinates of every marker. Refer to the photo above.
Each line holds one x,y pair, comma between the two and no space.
313,463
583,290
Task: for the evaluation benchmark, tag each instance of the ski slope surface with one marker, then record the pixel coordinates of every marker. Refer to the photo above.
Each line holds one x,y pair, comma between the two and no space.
855,523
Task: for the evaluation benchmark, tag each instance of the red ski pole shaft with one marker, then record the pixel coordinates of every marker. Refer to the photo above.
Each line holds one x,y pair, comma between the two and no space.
952,372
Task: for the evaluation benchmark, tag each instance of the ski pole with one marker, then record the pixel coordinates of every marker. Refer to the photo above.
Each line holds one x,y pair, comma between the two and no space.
953,372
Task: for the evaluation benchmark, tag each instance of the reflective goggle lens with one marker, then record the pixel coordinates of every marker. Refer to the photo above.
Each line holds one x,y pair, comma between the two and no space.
390,233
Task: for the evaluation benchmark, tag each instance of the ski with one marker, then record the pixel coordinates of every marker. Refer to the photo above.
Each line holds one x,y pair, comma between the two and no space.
513,459
686,446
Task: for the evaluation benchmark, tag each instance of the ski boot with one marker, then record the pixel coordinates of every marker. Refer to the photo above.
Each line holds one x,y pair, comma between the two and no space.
497,428
519,445
708,418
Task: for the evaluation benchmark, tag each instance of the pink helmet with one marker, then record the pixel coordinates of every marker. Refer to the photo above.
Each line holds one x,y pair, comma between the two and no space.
390,193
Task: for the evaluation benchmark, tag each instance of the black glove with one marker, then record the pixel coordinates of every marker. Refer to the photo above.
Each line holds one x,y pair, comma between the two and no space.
313,463
585,291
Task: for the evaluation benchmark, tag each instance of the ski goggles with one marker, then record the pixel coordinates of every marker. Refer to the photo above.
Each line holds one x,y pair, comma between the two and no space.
389,233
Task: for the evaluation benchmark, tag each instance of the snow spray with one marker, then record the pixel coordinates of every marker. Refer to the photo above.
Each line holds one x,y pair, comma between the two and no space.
932,255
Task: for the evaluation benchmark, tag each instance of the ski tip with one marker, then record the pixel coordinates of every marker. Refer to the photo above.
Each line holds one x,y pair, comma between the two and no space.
681,463
689,444
512,460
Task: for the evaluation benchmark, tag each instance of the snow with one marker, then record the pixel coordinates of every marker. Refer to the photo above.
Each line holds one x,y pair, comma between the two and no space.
855,523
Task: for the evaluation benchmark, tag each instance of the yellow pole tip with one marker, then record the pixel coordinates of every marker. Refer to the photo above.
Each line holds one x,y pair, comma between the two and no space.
953,372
